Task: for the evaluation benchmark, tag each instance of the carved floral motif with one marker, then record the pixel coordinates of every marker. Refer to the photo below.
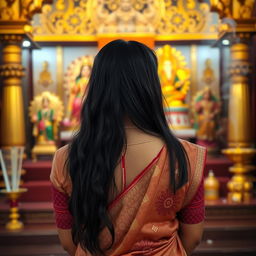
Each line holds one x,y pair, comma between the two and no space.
91,17
20,10
237,9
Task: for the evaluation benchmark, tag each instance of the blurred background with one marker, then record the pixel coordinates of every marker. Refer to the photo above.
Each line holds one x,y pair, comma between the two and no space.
206,54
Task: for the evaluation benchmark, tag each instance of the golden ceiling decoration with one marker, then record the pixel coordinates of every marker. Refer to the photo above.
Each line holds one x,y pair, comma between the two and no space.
93,17
236,9
236,16
20,10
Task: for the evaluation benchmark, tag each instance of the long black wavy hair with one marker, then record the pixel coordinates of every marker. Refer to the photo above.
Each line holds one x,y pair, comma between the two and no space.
124,83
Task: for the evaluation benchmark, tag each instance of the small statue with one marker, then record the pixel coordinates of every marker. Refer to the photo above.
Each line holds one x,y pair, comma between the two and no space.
206,109
208,73
44,122
77,88
45,78
46,112
174,75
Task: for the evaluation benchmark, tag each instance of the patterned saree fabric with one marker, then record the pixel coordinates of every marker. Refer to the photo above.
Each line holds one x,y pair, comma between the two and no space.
146,214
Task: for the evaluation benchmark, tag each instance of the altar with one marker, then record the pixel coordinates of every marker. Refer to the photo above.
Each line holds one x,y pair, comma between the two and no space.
206,66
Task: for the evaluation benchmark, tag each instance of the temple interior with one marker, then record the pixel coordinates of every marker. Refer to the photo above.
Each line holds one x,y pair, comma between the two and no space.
206,53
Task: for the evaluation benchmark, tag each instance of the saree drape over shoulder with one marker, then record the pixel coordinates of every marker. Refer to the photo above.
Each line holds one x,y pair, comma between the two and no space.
146,214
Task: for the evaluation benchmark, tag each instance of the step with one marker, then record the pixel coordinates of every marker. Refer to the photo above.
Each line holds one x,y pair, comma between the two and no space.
43,240
38,191
226,248
33,250
30,213
222,210
36,178
39,170
41,190
220,166
217,213
218,249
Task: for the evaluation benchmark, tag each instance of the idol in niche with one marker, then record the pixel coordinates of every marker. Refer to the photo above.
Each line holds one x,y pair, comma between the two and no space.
46,112
206,109
75,86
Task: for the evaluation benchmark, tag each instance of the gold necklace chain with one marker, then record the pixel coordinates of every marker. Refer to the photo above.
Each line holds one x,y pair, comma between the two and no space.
133,144
139,143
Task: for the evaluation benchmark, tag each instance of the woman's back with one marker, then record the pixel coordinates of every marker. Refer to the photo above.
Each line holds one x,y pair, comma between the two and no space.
141,149
124,169
145,212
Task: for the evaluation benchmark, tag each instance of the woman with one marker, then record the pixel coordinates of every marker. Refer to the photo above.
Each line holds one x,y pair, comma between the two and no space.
126,185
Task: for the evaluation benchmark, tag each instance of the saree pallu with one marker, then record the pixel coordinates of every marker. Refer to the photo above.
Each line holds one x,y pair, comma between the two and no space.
145,213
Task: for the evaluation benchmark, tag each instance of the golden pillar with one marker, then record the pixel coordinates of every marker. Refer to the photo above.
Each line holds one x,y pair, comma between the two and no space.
238,24
240,138
15,19
11,71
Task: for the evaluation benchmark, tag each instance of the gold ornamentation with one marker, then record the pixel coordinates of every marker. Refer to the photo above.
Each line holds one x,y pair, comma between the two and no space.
11,70
45,78
240,148
193,64
237,9
92,17
59,71
240,186
14,223
15,16
11,38
7,70
181,18
127,17
238,24
20,10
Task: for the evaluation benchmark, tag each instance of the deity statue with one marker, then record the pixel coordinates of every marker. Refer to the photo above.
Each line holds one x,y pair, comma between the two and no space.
45,78
126,19
174,76
77,87
208,73
44,121
206,109
46,112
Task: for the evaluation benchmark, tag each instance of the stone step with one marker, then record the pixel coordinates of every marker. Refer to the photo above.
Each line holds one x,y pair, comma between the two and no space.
43,240
30,213
37,171
38,191
221,210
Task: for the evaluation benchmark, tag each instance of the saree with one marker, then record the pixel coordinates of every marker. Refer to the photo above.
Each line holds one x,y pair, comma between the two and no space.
146,213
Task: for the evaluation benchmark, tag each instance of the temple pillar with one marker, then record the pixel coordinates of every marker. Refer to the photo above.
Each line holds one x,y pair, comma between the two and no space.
15,17
238,25
240,137
12,113
240,126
